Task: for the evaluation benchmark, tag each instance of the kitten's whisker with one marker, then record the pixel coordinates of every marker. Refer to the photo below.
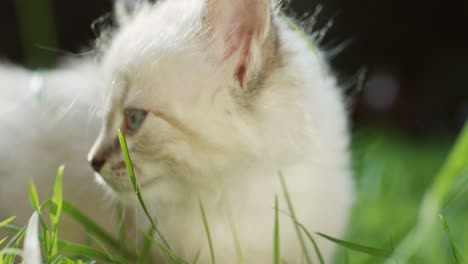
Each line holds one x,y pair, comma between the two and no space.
310,27
335,49
323,32
108,100
91,112
63,114
65,52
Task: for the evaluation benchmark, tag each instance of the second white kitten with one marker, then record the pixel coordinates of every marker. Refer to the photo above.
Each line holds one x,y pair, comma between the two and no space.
49,118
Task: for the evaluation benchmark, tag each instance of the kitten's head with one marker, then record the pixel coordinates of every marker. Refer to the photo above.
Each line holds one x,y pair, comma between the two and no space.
182,77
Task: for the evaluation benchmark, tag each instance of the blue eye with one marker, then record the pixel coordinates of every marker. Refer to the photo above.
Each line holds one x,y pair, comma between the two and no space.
134,118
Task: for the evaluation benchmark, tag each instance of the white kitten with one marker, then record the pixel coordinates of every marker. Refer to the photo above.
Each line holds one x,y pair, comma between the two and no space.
216,97
47,119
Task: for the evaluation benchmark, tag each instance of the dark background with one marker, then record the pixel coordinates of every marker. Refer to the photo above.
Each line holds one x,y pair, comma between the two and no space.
415,52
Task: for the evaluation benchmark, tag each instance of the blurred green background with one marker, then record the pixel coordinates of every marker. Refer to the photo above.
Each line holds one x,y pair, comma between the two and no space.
405,119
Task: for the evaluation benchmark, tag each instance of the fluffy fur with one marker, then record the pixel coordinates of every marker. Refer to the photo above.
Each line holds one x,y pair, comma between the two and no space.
47,119
234,96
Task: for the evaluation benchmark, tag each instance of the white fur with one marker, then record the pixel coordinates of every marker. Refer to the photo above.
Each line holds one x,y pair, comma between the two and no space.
207,143
47,119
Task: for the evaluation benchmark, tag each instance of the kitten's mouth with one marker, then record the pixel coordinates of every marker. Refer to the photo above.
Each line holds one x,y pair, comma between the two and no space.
150,182
117,178
120,166
143,185
120,181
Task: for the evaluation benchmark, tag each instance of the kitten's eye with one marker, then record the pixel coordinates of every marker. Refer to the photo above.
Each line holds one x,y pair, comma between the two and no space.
134,118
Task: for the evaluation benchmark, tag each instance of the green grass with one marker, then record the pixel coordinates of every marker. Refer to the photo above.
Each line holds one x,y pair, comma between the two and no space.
276,236
291,212
401,182
406,210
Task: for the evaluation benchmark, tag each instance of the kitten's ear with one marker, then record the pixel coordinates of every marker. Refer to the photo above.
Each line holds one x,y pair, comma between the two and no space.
124,10
240,29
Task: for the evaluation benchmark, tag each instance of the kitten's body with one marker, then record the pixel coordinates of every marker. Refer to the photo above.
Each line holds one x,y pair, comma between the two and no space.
234,97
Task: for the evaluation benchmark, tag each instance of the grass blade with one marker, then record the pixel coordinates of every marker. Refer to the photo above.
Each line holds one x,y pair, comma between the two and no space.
57,200
121,216
55,212
7,221
195,260
434,199
293,216
103,248
174,258
14,242
64,246
32,250
356,247
91,226
11,251
72,248
34,200
457,255
312,240
276,236
144,255
235,237
19,233
59,260
208,233
316,248
33,197
131,174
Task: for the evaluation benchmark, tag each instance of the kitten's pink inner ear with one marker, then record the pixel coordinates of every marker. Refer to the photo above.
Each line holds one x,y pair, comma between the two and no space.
242,67
236,26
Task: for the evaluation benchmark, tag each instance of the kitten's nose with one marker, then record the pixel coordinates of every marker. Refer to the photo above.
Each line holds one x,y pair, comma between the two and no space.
97,163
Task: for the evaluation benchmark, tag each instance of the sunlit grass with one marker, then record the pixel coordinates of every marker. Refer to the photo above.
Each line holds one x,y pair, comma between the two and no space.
299,233
434,198
393,175
208,233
